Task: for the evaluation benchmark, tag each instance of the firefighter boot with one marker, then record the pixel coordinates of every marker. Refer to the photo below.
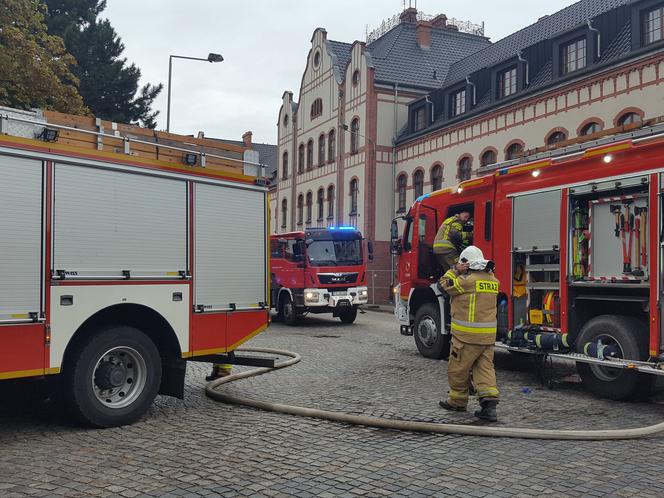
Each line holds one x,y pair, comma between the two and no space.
488,411
451,408
219,371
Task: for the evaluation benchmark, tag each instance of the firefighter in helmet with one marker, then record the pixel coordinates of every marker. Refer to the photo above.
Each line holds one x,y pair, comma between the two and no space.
451,239
473,290
220,370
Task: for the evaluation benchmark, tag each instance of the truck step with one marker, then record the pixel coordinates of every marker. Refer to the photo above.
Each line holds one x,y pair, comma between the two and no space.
639,366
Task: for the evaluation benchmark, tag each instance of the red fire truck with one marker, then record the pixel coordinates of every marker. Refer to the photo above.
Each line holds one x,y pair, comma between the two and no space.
320,270
575,234
120,267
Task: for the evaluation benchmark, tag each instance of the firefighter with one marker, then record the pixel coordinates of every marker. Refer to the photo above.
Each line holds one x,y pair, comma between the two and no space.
220,370
473,290
451,239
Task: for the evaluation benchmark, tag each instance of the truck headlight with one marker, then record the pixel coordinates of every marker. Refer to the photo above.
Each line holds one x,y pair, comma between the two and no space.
310,296
364,293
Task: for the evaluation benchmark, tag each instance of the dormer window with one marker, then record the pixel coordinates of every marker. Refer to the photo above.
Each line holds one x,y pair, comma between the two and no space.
507,82
419,119
653,25
459,102
573,56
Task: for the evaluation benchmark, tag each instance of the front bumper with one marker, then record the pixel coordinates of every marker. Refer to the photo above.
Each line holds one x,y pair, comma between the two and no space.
401,311
324,298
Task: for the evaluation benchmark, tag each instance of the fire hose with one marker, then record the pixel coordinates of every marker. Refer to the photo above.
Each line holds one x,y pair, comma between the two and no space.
407,425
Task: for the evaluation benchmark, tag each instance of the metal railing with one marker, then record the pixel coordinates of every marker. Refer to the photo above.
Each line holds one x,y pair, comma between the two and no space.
375,274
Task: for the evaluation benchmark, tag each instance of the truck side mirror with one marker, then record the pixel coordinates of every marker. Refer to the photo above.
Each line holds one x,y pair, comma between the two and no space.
394,231
395,247
370,250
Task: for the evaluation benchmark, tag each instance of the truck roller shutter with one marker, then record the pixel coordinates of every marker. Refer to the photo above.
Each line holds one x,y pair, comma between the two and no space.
110,222
537,221
230,248
20,238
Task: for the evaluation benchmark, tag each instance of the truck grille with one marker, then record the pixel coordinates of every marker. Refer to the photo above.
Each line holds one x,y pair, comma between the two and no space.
337,278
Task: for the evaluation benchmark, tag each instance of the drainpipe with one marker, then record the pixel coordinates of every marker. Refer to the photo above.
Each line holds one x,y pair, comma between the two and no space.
521,59
394,172
433,108
599,38
474,90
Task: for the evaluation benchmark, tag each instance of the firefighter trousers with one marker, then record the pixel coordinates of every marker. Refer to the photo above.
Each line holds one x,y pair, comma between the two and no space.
466,359
447,260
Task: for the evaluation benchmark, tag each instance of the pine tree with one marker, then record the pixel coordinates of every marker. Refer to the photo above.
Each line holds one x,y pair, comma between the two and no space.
35,68
109,85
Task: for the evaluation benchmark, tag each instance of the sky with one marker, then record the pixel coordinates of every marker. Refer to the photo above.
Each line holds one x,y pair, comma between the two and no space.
265,44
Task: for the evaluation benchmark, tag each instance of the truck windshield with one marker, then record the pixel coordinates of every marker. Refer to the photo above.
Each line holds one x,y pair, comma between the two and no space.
335,253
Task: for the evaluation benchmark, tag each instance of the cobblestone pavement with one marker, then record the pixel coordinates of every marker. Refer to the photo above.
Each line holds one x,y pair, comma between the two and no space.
198,447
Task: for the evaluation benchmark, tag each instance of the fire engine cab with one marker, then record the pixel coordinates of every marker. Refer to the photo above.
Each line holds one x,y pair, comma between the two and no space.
575,234
320,270
122,260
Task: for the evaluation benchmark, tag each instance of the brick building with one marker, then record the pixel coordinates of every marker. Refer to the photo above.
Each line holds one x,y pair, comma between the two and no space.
428,101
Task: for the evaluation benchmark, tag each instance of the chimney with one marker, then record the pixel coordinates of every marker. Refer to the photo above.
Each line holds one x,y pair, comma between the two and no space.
440,21
246,138
424,34
409,15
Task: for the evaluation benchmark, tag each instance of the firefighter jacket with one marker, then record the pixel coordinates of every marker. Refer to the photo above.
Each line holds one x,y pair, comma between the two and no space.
451,237
474,300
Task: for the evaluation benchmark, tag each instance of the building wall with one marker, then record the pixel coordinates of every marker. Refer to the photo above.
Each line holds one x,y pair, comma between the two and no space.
604,97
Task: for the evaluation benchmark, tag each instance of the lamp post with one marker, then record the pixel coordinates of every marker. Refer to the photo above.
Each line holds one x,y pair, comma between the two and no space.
210,58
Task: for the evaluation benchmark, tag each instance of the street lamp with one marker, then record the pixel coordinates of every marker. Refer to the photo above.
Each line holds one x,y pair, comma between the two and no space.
210,58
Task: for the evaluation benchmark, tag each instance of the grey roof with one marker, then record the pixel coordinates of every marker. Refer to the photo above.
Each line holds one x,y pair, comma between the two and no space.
397,57
342,51
621,44
548,27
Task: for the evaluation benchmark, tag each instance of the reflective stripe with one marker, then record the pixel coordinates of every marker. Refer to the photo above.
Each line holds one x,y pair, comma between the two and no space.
455,281
565,343
474,329
458,394
477,324
489,392
445,244
471,308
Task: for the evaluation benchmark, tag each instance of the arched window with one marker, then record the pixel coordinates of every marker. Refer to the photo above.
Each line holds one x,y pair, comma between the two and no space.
356,77
402,181
330,202
418,183
320,202
489,157
309,207
321,150
300,209
354,135
556,137
316,108
590,128
353,196
284,166
465,169
286,120
284,213
310,154
300,159
436,177
513,151
629,118
331,145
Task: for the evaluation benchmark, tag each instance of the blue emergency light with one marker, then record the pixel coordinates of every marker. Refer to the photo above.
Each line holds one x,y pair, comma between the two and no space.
342,228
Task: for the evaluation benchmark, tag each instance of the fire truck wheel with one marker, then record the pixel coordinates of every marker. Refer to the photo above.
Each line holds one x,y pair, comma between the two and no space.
426,329
112,378
349,315
287,311
631,337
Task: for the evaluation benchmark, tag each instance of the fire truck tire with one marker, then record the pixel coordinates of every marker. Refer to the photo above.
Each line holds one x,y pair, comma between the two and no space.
349,315
631,336
112,378
426,329
287,312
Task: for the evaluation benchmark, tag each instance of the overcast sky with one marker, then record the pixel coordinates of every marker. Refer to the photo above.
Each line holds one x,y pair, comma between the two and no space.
265,44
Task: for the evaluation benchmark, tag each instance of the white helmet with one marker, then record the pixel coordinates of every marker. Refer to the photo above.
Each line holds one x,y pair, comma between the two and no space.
474,257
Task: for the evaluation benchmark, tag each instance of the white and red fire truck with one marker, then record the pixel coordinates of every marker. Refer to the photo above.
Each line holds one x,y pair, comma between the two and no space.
320,270
118,268
575,234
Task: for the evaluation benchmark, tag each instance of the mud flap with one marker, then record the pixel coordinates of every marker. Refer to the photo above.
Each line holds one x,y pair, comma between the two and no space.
172,379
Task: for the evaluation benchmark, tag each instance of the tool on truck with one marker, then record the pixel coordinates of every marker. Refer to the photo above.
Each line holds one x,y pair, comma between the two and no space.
320,270
118,262
570,218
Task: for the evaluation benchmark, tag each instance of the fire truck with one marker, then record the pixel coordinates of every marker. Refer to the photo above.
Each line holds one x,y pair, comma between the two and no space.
118,262
320,270
576,237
